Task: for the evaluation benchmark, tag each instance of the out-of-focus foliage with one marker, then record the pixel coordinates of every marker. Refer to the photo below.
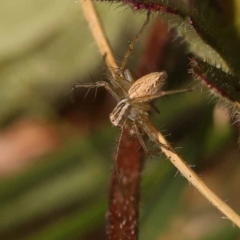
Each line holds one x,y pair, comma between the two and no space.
45,47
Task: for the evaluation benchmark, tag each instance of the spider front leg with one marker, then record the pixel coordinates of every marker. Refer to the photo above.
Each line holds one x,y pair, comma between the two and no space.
149,98
131,45
106,85
143,144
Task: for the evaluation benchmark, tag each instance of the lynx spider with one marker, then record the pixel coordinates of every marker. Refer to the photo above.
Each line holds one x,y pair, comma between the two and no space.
133,97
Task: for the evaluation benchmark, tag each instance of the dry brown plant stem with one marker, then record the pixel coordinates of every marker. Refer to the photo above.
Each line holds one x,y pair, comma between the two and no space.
152,131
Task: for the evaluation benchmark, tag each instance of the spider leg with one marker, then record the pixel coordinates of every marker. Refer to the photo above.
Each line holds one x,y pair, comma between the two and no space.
142,142
151,136
116,168
131,45
130,76
106,85
86,94
140,138
153,106
149,98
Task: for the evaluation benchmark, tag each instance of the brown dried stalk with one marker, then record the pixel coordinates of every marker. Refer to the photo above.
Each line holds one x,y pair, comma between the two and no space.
151,130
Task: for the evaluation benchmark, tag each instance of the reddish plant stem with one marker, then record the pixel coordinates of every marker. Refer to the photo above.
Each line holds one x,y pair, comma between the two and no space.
123,210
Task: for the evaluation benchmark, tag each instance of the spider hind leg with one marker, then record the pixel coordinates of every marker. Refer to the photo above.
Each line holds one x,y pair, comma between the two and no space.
140,138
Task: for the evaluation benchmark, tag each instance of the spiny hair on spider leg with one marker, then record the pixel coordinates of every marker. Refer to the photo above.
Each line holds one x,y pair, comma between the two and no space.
160,126
122,58
74,89
139,148
178,149
86,94
177,172
192,165
91,77
155,154
162,130
119,57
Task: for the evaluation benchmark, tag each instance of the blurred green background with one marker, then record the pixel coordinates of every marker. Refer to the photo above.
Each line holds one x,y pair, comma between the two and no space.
56,156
